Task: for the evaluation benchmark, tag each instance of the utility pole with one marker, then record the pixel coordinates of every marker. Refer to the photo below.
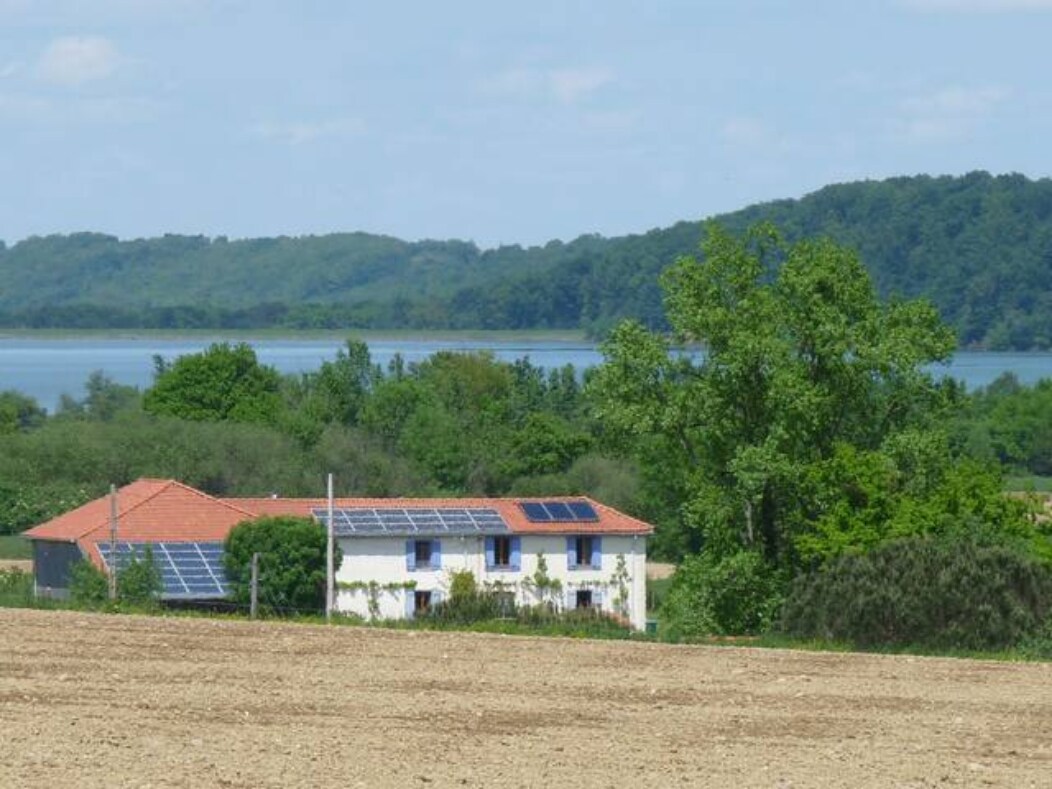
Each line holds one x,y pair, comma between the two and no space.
113,542
254,598
329,572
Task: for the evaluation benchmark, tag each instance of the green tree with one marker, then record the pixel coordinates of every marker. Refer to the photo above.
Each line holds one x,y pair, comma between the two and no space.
223,383
19,412
292,556
88,586
139,581
800,358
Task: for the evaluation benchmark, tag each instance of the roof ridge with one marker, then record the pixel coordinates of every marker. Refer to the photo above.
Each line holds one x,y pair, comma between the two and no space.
226,502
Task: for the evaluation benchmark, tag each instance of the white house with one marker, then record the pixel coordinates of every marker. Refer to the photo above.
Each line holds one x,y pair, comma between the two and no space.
399,555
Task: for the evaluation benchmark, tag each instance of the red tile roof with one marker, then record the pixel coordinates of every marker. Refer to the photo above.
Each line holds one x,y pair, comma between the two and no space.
148,510
610,520
154,510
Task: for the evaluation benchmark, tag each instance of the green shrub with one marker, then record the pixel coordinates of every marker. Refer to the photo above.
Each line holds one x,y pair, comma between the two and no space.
732,596
16,588
292,555
462,585
88,585
139,581
941,594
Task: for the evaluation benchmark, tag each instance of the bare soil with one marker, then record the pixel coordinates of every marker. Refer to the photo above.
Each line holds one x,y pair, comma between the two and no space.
91,700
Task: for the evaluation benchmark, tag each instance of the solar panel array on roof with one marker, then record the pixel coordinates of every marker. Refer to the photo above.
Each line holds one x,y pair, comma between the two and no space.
189,570
409,522
559,511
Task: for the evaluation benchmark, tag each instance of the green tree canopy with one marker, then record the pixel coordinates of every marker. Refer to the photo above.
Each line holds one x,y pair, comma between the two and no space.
803,365
292,553
224,382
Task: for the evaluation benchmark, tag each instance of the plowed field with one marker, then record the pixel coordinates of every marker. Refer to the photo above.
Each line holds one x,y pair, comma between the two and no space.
121,701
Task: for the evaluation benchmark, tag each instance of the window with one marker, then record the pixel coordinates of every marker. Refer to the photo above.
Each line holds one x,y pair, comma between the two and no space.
421,600
584,552
423,555
505,603
584,598
501,551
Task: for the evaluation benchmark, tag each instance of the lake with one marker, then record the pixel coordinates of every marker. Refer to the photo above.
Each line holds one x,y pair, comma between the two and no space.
47,368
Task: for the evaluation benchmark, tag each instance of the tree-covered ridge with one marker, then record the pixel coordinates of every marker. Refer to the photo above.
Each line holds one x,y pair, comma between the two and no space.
978,246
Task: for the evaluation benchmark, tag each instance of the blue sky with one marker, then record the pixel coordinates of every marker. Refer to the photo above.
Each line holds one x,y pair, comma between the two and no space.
492,121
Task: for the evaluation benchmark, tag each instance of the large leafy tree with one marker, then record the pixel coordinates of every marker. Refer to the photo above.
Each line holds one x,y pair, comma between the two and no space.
802,363
224,383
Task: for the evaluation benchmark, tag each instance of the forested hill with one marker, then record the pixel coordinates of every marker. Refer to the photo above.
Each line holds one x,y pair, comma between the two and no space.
979,246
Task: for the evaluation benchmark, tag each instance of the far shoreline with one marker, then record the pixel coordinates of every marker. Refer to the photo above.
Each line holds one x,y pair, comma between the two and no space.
562,336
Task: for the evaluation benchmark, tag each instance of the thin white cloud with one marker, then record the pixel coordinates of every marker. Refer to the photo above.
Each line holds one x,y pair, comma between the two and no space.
74,60
10,69
949,113
301,132
978,6
570,85
565,85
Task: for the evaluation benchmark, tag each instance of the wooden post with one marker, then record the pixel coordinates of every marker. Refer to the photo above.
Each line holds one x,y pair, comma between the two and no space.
329,570
113,542
254,596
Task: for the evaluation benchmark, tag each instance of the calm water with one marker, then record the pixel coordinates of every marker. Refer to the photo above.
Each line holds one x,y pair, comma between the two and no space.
45,369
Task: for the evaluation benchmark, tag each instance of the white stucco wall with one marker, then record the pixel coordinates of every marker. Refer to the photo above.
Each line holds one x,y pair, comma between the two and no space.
383,560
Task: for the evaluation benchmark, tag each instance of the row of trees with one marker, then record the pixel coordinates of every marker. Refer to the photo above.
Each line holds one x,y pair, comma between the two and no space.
919,236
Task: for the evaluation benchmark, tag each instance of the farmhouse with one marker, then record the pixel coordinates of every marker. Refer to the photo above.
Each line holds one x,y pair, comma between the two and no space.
398,554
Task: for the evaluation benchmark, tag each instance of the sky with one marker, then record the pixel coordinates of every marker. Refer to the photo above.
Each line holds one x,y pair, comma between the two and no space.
496,122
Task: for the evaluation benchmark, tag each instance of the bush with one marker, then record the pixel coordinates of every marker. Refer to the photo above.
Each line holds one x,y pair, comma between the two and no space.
291,563
736,595
88,585
139,581
16,588
467,603
941,594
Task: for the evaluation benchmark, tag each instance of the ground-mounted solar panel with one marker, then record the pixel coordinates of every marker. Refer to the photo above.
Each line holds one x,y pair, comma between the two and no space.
578,511
412,521
188,570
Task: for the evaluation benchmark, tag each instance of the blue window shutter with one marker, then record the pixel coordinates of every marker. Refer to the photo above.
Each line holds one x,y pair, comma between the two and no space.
436,596
597,598
410,555
436,554
597,552
516,553
491,553
410,603
571,552
571,599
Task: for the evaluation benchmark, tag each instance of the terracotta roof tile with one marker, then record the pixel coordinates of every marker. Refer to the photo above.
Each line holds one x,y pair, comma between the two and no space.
610,521
152,510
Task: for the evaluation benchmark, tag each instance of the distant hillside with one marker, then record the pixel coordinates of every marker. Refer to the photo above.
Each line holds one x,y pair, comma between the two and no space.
978,246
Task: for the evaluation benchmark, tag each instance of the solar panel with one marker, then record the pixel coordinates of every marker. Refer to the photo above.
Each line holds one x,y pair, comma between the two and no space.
189,570
559,511
583,511
396,521
535,511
